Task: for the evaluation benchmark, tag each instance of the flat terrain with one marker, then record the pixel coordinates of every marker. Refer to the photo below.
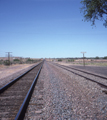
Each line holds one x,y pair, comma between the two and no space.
88,62
62,95
102,70
8,73
94,69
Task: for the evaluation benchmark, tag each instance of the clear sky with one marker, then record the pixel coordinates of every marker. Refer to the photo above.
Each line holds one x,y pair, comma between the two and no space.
49,28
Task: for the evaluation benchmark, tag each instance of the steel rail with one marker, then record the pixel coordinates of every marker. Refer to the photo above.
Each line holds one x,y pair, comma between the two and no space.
16,79
21,113
104,77
99,83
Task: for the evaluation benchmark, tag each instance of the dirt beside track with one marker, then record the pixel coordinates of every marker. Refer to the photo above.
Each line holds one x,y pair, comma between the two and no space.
8,73
94,69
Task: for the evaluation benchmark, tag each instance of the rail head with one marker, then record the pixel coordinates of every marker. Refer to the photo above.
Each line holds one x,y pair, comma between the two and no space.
97,75
99,83
21,113
16,79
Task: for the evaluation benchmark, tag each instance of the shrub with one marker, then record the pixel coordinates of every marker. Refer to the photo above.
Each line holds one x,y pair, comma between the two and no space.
96,57
59,60
71,60
105,57
7,62
29,60
16,60
1,61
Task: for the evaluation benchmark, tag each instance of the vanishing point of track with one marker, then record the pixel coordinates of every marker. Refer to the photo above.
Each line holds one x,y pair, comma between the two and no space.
15,96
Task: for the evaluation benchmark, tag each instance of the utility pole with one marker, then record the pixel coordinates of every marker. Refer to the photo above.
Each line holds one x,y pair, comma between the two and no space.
9,56
83,58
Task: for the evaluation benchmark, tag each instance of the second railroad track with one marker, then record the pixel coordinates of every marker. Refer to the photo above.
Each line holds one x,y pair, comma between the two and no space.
99,79
15,96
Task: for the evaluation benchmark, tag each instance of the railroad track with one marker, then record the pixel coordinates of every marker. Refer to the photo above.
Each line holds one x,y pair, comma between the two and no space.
15,96
100,80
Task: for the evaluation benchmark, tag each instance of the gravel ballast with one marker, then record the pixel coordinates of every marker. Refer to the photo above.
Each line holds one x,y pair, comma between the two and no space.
61,95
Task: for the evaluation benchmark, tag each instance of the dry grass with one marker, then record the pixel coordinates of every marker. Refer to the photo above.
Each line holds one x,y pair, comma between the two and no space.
86,63
9,70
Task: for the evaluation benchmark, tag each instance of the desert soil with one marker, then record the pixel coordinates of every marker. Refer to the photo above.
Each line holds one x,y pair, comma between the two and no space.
8,73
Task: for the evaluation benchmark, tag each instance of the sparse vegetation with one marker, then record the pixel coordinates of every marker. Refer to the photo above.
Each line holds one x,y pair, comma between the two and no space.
96,57
29,61
97,61
7,62
59,60
16,61
105,57
70,60
1,62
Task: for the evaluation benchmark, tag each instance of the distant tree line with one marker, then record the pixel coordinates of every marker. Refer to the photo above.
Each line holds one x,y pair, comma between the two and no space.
73,59
19,61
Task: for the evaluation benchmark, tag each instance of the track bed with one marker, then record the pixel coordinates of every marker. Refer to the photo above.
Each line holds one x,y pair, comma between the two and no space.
62,95
12,98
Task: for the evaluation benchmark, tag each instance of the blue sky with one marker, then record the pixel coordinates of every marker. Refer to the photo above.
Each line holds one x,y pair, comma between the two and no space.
49,28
